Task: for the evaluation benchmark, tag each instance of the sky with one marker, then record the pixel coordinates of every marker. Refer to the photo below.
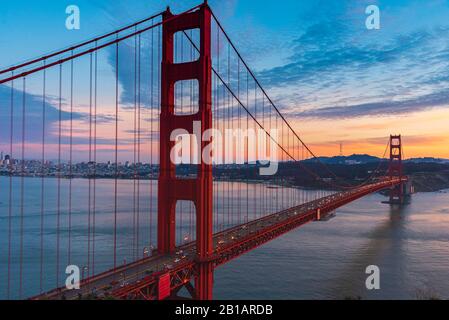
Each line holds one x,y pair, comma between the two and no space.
335,80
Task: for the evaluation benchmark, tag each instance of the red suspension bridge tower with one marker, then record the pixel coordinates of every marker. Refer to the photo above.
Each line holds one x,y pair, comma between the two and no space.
171,188
395,169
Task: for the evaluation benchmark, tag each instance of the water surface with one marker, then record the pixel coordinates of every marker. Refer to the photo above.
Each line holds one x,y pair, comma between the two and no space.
321,260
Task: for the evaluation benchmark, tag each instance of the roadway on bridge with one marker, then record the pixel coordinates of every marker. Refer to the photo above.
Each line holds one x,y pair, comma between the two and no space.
105,284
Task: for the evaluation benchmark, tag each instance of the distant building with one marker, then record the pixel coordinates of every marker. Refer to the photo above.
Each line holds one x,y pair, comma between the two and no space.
352,162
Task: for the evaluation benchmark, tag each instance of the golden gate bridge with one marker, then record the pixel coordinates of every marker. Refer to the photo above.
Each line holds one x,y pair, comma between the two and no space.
168,72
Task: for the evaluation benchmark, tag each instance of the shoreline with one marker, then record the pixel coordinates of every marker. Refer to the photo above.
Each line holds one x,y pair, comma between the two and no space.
442,188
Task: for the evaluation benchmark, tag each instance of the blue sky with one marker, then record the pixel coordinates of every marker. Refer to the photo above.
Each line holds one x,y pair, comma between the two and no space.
316,58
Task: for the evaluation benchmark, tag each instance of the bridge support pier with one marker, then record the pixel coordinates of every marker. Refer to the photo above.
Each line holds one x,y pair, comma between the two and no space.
204,282
171,188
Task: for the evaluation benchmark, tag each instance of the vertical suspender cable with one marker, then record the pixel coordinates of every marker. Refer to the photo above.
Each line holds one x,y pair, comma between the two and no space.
240,127
255,199
22,187
95,162
262,154
69,256
138,147
11,157
58,217
151,133
247,149
42,183
89,202
228,107
133,249
158,82
116,152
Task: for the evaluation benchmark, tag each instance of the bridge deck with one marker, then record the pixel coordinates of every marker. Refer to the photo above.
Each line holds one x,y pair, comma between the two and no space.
139,279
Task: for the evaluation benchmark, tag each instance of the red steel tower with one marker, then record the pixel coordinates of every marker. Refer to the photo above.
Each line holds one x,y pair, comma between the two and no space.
172,188
395,169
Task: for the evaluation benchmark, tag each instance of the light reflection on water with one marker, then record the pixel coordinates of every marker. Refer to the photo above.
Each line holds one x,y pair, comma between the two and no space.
322,260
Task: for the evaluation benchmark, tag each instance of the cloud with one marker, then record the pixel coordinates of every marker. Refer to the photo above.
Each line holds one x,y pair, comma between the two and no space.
319,51
336,72
336,69
424,102
138,83
32,118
